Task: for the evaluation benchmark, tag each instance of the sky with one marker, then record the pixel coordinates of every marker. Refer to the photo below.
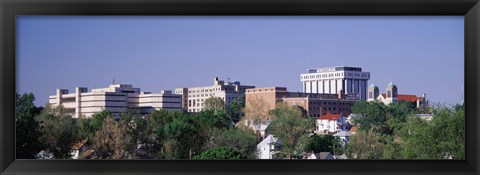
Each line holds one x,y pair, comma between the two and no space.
420,54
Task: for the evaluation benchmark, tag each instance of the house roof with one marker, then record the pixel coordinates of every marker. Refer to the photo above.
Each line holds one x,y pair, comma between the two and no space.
330,116
78,144
320,155
267,141
405,97
342,134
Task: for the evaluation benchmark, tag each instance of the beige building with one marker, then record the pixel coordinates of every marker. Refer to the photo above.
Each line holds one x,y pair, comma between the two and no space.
194,98
116,98
313,104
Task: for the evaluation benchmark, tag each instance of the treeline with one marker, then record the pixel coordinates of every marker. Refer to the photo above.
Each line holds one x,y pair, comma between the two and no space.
210,134
395,132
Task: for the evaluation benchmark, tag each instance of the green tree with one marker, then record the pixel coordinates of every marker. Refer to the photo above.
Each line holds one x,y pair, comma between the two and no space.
243,141
221,153
215,104
439,138
27,128
89,126
364,145
235,108
186,131
289,125
371,116
58,131
322,143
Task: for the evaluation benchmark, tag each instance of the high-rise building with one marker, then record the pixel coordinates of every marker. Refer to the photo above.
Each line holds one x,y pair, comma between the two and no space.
117,98
331,80
194,97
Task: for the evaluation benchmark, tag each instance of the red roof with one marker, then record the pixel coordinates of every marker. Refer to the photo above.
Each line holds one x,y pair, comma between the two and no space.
330,116
405,97
410,98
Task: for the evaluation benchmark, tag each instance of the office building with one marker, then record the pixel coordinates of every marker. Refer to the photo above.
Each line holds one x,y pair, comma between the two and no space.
116,98
194,97
330,80
313,104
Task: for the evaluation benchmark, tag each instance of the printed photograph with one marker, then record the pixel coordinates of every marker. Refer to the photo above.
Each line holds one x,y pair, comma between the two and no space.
240,87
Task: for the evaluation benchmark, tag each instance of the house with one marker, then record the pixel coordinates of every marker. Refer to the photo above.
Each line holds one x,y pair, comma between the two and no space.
343,135
268,147
331,123
320,155
261,128
78,147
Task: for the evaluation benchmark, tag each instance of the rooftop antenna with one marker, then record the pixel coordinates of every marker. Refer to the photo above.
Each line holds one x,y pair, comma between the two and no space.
113,82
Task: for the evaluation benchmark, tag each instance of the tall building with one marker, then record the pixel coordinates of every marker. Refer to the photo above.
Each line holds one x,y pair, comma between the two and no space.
391,96
194,97
313,104
330,80
116,98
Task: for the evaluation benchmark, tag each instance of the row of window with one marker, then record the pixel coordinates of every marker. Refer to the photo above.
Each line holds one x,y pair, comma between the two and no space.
204,90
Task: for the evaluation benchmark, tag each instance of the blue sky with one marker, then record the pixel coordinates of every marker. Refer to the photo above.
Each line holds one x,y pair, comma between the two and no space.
419,54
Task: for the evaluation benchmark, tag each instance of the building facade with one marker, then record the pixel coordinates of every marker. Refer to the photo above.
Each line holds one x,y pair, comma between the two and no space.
194,98
116,98
330,80
313,104
391,95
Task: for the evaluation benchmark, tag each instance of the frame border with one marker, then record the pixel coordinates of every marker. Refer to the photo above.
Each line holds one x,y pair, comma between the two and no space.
9,9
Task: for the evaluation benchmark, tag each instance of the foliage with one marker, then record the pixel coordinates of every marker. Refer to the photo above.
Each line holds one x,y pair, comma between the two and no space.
289,126
364,145
215,104
256,111
321,143
371,115
243,141
221,153
436,139
113,140
89,126
235,108
58,131
27,128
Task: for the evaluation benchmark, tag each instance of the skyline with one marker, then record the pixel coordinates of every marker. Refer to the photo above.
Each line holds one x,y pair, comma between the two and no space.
426,53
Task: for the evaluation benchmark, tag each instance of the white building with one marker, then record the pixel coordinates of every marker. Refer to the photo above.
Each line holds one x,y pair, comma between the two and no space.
117,98
267,147
331,123
331,80
194,98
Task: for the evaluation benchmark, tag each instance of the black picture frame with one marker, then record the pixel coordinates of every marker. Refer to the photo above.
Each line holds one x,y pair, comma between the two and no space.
9,9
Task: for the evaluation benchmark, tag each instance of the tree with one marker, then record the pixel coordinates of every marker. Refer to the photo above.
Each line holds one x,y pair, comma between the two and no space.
27,128
256,111
185,131
243,141
221,153
364,145
235,108
113,140
440,138
289,126
89,126
58,131
215,104
322,143
371,116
